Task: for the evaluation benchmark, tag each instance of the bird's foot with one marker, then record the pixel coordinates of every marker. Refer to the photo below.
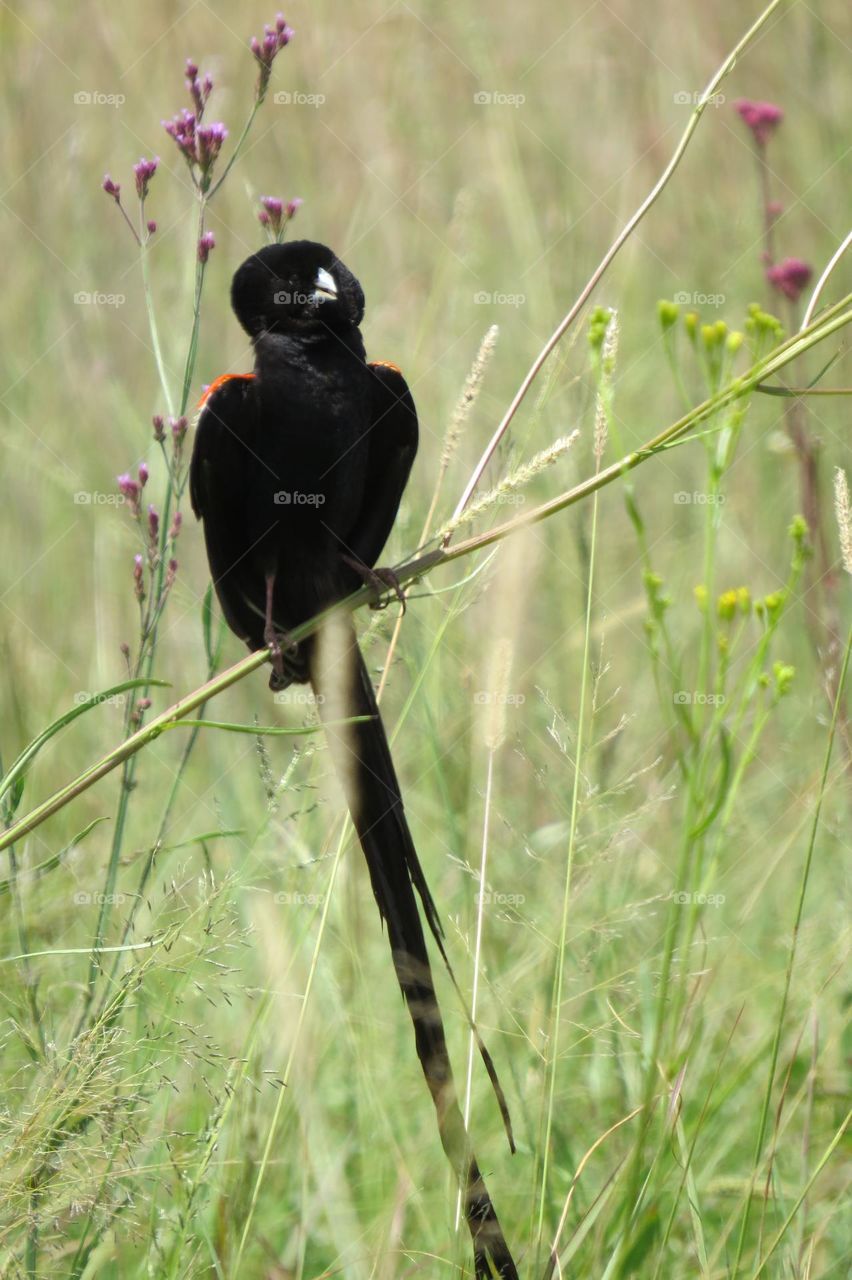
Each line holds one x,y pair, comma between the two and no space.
380,579
284,654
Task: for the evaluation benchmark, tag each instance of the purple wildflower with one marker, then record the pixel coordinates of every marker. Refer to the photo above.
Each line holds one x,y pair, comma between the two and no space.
183,129
159,433
143,474
177,521
789,277
210,138
267,49
293,207
205,244
151,227
763,118
178,426
144,172
153,523
130,489
199,90
112,188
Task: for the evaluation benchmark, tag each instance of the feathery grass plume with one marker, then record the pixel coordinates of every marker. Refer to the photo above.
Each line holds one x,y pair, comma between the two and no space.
843,511
469,395
603,403
509,484
460,415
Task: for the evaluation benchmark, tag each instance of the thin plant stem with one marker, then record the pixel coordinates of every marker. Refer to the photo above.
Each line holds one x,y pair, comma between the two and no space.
556,1009
821,283
791,960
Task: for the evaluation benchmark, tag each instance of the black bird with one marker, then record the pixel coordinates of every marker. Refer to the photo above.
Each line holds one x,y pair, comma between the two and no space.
297,473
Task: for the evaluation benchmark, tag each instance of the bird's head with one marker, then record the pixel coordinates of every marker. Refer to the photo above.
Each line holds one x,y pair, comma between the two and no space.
300,287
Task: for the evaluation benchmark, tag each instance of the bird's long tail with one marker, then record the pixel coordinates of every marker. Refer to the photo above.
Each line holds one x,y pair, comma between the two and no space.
363,763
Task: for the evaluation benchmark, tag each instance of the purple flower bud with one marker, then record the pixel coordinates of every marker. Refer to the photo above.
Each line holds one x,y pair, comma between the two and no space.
789,277
207,86
763,118
143,474
130,490
171,573
111,188
205,244
177,521
139,577
178,426
159,433
151,227
144,172
153,522
263,218
191,70
293,207
143,704
125,649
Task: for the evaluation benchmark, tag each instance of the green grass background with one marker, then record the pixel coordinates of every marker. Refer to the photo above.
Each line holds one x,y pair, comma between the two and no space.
431,199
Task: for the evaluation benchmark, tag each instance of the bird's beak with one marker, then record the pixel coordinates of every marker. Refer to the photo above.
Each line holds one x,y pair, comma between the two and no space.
325,286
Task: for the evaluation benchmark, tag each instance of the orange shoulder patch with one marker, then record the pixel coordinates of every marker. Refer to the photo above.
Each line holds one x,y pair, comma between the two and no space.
219,382
385,364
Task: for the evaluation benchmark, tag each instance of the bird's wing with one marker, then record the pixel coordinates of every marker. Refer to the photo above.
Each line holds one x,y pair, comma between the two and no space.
222,456
392,446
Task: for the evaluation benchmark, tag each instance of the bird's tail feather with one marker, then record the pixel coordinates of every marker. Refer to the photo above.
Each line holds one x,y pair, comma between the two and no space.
363,763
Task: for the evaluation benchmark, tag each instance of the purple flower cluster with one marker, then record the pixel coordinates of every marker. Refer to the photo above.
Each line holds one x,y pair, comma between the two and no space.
199,144
763,118
267,49
143,172
275,214
789,277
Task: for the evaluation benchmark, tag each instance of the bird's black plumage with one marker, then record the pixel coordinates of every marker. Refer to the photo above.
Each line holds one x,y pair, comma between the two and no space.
297,473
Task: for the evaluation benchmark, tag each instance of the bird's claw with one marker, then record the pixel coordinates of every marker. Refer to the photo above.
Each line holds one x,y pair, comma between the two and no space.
380,580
